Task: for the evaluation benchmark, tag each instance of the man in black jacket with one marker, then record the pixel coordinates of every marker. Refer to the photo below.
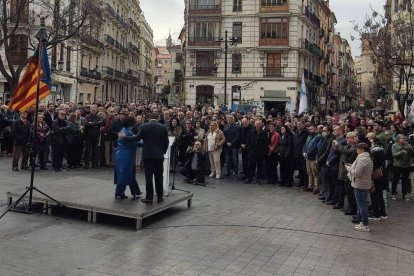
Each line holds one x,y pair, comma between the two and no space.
60,127
232,134
155,138
323,152
21,134
299,139
92,132
257,144
244,132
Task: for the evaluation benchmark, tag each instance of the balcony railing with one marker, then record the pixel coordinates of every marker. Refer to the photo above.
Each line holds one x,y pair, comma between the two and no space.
273,6
108,71
204,9
109,39
117,17
118,74
312,17
91,41
316,50
204,41
90,74
306,45
274,72
133,48
205,71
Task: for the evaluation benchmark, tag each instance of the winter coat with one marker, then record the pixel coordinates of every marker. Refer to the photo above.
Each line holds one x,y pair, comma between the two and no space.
60,127
402,155
286,146
232,134
324,147
310,147
361,171
220,140
348,156
21,132
257,143
299,141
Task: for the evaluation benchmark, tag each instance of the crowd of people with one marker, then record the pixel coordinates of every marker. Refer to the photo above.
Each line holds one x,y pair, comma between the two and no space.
344,159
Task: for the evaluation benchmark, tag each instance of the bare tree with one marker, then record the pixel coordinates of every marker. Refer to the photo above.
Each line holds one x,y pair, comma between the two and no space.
391,38
20,21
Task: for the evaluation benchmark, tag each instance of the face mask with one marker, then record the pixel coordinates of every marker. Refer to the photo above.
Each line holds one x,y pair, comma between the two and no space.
324,133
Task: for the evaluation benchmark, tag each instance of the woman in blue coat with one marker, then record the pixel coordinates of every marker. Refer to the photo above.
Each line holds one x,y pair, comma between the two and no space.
125,163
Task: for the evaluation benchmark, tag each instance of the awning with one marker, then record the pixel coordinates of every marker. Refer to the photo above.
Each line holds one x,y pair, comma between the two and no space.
275,99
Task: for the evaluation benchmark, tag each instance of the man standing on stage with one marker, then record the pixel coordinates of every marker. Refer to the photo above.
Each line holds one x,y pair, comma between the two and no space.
155,139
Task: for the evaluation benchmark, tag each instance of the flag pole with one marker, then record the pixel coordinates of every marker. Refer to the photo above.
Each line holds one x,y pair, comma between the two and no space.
42,37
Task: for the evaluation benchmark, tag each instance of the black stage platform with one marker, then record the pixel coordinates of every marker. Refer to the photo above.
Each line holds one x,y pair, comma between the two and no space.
97,197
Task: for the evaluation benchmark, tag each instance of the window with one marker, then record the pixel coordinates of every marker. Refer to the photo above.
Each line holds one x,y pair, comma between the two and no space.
237,5
237,32
396,4
203,4
68,54
274,2
204,30
19,11
236,63
274,28
18,49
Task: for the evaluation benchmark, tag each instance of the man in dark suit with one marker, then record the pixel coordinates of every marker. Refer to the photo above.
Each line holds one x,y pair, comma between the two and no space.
155,138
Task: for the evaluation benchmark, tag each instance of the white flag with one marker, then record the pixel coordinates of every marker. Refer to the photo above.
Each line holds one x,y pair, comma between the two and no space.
303,101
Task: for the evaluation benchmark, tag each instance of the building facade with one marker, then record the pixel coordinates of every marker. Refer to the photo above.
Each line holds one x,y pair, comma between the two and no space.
109,59
271,46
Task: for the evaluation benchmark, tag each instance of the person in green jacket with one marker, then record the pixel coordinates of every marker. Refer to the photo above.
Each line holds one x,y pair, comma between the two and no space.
402,153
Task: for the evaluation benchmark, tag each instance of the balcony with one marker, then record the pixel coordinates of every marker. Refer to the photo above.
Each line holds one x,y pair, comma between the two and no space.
119,74
316,50
281,41
205,71
108,71
91,41
306,45
204,9
90,74
132,23
133,48
312,17
110,40
116,16
268,6
333,70
133,75
272,72
84,72
204,41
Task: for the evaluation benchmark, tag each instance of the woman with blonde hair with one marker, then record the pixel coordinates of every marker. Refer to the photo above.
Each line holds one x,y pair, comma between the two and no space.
213,146
360,175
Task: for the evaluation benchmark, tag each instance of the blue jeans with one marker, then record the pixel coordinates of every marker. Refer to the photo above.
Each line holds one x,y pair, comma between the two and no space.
361,198
232,160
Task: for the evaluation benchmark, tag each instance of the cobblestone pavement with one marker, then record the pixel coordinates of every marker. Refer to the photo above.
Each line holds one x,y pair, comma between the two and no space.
235,229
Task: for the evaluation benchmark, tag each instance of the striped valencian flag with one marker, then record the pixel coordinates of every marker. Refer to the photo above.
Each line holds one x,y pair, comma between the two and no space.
25,94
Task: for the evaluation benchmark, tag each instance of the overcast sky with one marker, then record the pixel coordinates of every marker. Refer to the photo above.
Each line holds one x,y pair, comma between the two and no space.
165,16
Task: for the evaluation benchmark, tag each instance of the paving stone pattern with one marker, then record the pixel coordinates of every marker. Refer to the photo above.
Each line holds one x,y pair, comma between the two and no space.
235,229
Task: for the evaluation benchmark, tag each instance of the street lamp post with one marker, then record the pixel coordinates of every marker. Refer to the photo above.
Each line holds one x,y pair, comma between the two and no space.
232,41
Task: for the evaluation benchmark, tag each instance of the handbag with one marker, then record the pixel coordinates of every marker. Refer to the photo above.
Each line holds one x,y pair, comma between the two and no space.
376,173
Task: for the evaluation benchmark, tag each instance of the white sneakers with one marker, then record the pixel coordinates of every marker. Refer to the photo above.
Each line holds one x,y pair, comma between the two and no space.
362,228
212,175
393,197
